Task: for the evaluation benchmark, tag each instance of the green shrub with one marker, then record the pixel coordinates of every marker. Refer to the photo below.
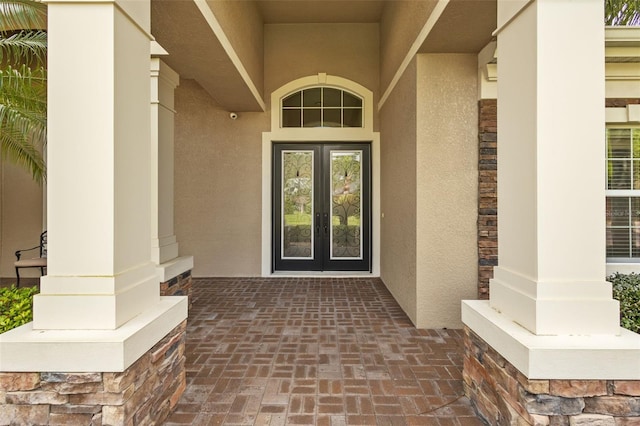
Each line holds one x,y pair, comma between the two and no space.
626,289
16,306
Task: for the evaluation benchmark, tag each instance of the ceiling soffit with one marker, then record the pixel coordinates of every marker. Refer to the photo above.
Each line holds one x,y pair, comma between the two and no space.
465,26
195,52
320,11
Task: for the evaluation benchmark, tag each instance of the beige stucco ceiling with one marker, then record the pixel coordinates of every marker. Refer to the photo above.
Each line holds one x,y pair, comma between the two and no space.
320,11
465,26
196,52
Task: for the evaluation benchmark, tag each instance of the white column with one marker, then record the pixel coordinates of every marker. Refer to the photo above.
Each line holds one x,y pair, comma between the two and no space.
99,308
164,245
98,168
551,225
163,83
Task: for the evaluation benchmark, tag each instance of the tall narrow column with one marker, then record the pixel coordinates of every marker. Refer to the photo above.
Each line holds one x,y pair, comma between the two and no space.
551,312
164,245
163,83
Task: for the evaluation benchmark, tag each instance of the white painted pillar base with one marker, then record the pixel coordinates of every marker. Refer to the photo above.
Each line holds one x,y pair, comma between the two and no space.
24,349
100,303
555,308
164,249
171,269
592,357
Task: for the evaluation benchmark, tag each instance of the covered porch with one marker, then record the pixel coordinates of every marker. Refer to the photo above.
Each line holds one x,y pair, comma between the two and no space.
179,111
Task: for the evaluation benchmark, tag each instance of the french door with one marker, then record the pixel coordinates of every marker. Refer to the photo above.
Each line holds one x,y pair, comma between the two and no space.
322,207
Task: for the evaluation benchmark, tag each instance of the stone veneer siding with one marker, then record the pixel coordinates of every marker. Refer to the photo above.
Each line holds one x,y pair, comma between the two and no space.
487,194
145,394
178,286
504,396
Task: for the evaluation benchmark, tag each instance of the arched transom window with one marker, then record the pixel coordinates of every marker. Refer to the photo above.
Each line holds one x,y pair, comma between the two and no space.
321,107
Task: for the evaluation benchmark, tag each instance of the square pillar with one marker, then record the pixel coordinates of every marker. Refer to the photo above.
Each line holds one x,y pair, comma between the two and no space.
164,245
98,170
551,312
164,81
99,308
551,273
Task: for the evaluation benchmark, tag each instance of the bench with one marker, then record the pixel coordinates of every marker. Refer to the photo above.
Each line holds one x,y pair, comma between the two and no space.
34,262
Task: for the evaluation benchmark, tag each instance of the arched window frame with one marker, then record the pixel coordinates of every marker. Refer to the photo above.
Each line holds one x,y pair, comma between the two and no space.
323,133
318,106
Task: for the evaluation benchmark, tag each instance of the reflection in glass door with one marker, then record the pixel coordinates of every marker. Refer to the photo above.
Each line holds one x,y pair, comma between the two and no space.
297,239
321,207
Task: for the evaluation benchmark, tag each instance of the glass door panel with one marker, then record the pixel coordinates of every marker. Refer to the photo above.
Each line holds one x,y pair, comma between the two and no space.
346,204
297,205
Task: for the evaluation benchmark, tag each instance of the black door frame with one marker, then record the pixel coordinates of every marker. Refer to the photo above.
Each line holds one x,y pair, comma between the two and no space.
321,214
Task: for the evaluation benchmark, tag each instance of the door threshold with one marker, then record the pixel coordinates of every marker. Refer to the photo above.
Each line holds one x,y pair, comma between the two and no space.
323,274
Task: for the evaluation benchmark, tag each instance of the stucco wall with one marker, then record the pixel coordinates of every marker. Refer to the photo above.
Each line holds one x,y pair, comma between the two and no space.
299,50
447,187
20,217
398,192
400,25
429,188
218,161
217,184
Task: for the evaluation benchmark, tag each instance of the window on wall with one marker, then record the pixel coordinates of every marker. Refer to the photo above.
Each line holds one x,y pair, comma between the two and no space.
623,194
321,107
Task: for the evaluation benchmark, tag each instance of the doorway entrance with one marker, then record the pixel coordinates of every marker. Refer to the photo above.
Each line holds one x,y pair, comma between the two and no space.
321,207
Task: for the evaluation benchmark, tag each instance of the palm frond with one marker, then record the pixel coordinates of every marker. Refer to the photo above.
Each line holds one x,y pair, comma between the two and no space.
23,118
23,91
24,47
22,15
22,153
23,104
622,12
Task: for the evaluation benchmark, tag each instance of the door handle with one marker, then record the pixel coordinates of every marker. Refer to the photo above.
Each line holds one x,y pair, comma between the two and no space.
317,224
326,223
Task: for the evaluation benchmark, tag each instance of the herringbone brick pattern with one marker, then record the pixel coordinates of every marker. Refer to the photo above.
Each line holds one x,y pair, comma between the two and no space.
309,351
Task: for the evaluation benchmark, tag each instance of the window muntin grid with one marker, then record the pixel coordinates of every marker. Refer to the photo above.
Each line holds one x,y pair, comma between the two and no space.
321,107
623,194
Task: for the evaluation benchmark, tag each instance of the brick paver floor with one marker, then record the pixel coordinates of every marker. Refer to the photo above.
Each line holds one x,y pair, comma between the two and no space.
309,351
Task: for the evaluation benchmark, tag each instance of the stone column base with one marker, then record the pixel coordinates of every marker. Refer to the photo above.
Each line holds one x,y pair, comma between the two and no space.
145,393
502,395
175,277
178,286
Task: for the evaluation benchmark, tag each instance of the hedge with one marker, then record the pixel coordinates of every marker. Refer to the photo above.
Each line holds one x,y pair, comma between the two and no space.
16,306
626,289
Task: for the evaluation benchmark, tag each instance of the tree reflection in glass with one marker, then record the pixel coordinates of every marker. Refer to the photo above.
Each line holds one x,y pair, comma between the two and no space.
297,204
346,184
